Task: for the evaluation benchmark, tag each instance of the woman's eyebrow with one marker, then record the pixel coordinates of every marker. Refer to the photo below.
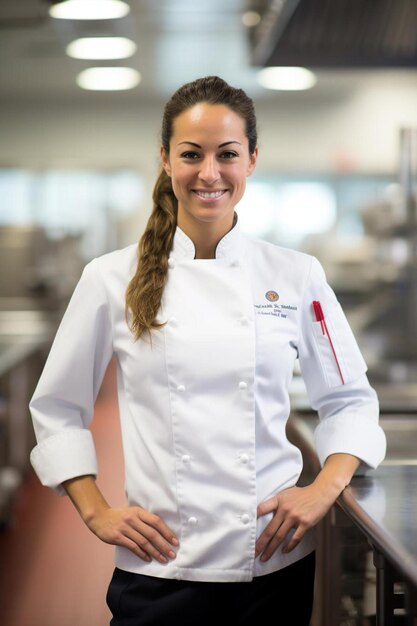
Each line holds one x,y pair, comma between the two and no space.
196,145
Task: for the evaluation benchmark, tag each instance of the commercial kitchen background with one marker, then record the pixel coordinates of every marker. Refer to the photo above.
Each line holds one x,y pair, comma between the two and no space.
336,177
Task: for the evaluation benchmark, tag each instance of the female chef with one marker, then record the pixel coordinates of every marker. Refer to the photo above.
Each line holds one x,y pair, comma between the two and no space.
206,323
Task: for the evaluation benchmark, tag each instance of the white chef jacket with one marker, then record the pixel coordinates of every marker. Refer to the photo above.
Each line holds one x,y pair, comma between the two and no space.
204,405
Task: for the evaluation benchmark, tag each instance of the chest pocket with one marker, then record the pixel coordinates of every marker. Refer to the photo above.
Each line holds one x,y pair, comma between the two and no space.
336,348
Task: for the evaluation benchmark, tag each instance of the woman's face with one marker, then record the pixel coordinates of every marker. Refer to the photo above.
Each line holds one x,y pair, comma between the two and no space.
208,163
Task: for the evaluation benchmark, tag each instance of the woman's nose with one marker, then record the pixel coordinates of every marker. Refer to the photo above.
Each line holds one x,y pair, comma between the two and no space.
209,171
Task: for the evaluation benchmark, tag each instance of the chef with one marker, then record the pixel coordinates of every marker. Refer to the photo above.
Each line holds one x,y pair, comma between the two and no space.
206,325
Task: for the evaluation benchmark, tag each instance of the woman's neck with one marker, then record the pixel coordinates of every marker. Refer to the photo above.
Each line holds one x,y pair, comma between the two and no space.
206,235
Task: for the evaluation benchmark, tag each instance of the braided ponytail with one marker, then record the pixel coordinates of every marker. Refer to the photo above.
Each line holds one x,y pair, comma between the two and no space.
144,292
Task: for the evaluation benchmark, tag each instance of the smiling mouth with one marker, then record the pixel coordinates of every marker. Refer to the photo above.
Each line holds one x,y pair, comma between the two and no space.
210,195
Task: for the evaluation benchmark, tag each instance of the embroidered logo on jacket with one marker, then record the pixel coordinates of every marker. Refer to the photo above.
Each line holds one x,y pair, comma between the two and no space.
273,308
272,296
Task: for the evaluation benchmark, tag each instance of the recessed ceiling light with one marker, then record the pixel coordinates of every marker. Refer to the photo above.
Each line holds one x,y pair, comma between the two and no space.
251,18
89,9
108,78
101,48
286,78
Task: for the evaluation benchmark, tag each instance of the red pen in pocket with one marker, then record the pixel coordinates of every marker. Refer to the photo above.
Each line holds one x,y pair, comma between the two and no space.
318,311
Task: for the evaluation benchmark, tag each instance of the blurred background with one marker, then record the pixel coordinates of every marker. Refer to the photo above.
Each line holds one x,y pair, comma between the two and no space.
83,85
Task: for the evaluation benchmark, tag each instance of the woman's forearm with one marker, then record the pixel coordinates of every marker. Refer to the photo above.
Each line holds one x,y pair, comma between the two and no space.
336,474
132,527
86,497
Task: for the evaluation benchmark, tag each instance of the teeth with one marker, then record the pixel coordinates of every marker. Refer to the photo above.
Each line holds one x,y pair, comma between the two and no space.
211,194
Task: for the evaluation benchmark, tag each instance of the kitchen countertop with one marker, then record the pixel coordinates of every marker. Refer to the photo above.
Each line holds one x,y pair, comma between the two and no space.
383,502
22,333
383,505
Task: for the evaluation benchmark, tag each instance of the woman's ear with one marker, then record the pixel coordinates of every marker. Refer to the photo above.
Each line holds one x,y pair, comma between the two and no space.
165,160
252,161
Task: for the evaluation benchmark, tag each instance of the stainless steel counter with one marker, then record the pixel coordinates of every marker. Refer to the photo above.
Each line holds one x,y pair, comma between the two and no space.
25,337
383,505
15,349
22,332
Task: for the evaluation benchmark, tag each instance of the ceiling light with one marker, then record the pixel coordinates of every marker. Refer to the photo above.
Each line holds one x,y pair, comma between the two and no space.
108,78
89,9
251,18
286,78
101,48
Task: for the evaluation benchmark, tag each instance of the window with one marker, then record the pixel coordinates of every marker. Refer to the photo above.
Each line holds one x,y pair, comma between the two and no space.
79,203
288,210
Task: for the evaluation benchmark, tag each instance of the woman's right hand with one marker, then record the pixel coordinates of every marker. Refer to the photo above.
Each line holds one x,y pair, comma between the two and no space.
132,527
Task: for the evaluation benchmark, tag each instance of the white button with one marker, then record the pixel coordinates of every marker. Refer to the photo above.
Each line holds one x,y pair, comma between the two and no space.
192,521
244,458
171,263
234,263
244,320
245,518
173,321
185,458
242,385
180,388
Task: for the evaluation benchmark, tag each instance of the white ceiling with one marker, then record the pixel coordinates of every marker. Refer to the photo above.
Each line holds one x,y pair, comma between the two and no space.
350,116
177,40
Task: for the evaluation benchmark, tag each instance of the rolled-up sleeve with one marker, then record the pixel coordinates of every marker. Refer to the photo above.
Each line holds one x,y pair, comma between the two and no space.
334,373
63,403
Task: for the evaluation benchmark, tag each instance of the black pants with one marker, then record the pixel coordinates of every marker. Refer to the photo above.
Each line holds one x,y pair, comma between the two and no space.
283,598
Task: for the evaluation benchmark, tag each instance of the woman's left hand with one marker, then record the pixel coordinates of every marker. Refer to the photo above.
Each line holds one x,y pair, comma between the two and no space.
300,508
296,508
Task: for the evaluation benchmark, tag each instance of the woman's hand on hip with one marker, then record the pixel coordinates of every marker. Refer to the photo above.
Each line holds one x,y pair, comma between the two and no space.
298,509
132,527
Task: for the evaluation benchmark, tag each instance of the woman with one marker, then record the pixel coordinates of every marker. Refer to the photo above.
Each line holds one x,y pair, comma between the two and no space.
206,324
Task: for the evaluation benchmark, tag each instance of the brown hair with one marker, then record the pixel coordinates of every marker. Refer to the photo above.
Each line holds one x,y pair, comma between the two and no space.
144,292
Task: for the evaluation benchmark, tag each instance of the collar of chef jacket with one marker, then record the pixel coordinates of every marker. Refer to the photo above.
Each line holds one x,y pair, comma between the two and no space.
228,249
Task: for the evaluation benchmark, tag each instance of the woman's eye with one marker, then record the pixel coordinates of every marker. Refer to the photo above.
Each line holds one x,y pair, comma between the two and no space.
229,154
190,155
